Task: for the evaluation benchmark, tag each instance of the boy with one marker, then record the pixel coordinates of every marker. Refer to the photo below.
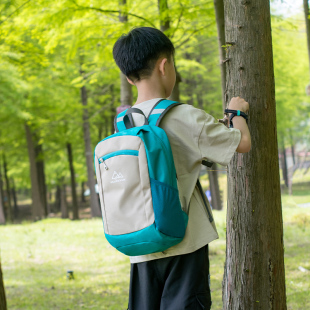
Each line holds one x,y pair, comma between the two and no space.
177,278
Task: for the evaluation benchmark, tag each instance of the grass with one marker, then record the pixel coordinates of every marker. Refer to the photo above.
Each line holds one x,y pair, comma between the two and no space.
36,256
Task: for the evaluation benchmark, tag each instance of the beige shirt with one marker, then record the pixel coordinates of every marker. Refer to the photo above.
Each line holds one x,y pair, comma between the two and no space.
194,136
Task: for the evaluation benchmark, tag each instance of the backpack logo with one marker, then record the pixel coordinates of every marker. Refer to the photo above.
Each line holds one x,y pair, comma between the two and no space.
117,177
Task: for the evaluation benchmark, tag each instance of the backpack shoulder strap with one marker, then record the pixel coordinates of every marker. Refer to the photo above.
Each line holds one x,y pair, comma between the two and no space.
159,111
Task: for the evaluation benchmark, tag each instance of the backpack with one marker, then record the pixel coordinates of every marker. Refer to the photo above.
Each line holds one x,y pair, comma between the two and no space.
137,183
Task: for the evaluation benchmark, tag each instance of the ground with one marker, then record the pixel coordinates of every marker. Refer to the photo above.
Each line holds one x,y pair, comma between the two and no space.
36,257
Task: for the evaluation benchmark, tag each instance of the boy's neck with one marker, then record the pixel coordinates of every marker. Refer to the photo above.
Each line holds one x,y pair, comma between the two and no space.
148,89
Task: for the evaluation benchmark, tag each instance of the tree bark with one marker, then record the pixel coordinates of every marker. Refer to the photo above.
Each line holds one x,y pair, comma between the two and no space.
63,202
164,15
75,208
2,215
3,305
57,206
175,95
126,88
82,193
307,20
94,205
254,276
216,201
284,166
126,91
164,20
15,206
8,190
41,176
37,207
220,22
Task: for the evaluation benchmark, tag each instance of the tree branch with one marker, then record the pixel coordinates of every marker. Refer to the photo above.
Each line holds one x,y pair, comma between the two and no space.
179,20
1,22
111,11
188,38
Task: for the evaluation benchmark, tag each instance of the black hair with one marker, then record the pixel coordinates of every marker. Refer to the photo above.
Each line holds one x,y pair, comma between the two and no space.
136,53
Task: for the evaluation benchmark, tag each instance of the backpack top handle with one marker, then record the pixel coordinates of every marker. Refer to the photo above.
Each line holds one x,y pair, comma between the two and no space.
128,121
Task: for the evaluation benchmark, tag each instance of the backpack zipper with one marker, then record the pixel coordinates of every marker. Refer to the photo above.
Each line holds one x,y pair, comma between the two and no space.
101,161
117,153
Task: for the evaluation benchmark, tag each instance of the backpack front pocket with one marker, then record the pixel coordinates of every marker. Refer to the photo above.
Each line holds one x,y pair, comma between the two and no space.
125,190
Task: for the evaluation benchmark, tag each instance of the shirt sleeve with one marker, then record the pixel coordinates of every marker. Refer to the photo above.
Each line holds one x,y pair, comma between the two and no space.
217,143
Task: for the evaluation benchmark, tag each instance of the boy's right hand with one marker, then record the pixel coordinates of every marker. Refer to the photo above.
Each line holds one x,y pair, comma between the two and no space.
237,103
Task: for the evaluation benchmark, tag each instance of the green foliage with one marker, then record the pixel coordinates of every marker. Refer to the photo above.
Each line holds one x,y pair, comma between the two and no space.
291,77
48,51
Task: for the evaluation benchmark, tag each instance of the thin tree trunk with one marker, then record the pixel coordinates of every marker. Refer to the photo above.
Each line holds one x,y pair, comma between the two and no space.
2,215
113,112
175,95
164,15
126,91
126,88
100,130
293,153
254,276
8,190
82,193
63,202
284,166
41,176
220,22
57,206
307,20
214,188
164,20
3,305
15,206
37,207
94,205
75,207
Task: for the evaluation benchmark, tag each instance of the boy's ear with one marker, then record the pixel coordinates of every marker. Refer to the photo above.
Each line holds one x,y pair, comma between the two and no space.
130,81
162,63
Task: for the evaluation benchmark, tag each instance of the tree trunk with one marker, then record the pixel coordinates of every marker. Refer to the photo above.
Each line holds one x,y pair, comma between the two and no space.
94,205
37,207
126,91
254,276
82,193
15,206
126,88
293,153
220,22
216,201
8,190
2,215
113,111
164,15
284,166
41,176
175,95
63,202
57,206
75,208
307,20
164,20
3,305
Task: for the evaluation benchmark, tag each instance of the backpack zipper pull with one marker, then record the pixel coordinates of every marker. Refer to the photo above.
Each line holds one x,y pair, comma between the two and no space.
101,161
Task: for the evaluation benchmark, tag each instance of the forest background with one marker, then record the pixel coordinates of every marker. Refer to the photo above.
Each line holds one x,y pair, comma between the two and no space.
60,90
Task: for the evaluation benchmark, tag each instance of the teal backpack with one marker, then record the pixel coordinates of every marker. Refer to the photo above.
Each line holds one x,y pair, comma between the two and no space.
137,182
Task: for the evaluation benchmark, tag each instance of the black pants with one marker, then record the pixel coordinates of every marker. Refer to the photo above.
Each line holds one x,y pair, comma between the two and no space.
172,283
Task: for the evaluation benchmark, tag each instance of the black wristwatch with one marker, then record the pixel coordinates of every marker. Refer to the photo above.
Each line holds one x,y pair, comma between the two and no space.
235,113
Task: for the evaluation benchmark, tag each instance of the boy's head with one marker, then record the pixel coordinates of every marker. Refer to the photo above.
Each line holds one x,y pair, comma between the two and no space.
137,52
